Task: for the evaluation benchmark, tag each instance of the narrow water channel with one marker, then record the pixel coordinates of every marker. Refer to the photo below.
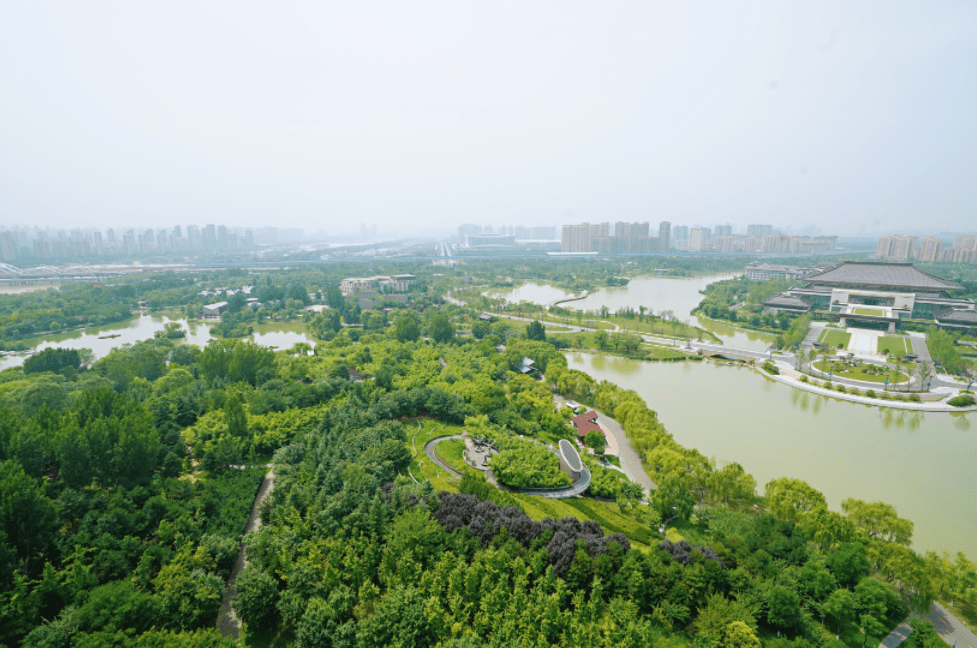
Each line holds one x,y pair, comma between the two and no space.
921,463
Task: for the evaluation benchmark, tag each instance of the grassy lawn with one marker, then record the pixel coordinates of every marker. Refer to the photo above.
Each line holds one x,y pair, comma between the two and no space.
868,311
650,351
841,370
656,352
429,429
896,344
694,533
834,338
608,514
452,452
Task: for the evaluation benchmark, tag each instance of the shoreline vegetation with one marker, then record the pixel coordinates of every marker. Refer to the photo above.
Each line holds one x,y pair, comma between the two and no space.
124,498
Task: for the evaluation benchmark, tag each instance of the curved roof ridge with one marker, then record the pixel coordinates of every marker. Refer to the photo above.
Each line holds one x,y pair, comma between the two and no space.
888,273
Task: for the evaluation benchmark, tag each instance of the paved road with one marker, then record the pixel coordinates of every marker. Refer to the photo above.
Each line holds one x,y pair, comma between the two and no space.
228,623
628,456
951,630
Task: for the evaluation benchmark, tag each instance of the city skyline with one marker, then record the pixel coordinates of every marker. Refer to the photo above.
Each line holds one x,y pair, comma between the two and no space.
847,118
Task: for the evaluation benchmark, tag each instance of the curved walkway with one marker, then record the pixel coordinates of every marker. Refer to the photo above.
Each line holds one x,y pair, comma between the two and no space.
578,487
563,300
432,455
790,376
228,622
627,455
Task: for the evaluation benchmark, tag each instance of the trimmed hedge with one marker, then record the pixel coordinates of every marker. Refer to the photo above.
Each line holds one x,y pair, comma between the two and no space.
962,401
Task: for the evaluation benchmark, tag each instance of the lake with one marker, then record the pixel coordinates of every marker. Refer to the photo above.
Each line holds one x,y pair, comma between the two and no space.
530,292
921,463
678,295
15,290
283,335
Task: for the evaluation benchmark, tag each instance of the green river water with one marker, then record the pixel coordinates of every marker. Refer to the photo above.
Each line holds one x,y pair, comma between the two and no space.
143,327
923,464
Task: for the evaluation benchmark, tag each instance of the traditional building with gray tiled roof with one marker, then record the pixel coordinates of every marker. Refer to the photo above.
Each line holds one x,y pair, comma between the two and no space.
873,295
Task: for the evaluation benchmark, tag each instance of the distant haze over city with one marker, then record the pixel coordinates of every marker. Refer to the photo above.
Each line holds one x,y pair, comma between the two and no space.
846,119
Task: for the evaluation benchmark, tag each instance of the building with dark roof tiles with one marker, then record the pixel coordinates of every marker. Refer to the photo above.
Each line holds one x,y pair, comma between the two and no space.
873,295
882,276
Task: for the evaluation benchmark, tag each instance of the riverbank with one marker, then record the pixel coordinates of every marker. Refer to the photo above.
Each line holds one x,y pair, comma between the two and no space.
790,376
918,461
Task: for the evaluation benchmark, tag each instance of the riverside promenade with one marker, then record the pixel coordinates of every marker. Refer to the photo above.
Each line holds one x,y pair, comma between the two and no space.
946,389
792,377
950,629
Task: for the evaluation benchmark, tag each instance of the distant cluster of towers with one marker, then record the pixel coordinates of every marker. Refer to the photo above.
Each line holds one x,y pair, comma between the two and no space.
36,243
930,249
637,238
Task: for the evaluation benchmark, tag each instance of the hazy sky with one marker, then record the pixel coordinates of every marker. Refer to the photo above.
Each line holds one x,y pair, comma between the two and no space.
853,115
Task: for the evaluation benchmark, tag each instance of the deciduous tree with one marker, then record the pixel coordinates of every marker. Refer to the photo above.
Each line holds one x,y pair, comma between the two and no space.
441,329
879,520
406,329
789,498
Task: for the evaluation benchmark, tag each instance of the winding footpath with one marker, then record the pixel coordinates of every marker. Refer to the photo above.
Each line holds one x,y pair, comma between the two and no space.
433,456
228,622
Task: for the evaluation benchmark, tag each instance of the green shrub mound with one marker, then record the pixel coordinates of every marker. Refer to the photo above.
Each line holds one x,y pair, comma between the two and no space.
523,464
962,401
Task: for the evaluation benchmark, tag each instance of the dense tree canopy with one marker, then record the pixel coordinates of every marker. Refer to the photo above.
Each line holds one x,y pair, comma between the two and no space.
122,503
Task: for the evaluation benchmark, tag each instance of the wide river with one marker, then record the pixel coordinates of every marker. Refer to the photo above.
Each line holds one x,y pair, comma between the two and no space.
923,464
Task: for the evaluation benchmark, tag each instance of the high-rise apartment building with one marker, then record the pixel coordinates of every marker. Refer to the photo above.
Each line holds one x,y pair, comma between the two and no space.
724,230
929,251
759,230
8,247
896,248
664,236
698,239
680,233
576,238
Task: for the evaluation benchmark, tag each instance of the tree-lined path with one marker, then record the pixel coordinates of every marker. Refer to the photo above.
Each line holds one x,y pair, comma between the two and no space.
228,623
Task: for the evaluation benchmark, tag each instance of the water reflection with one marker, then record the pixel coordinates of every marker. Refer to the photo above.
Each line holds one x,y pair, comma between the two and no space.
921,463
530,292
660,294
102,339
961,422
623,366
